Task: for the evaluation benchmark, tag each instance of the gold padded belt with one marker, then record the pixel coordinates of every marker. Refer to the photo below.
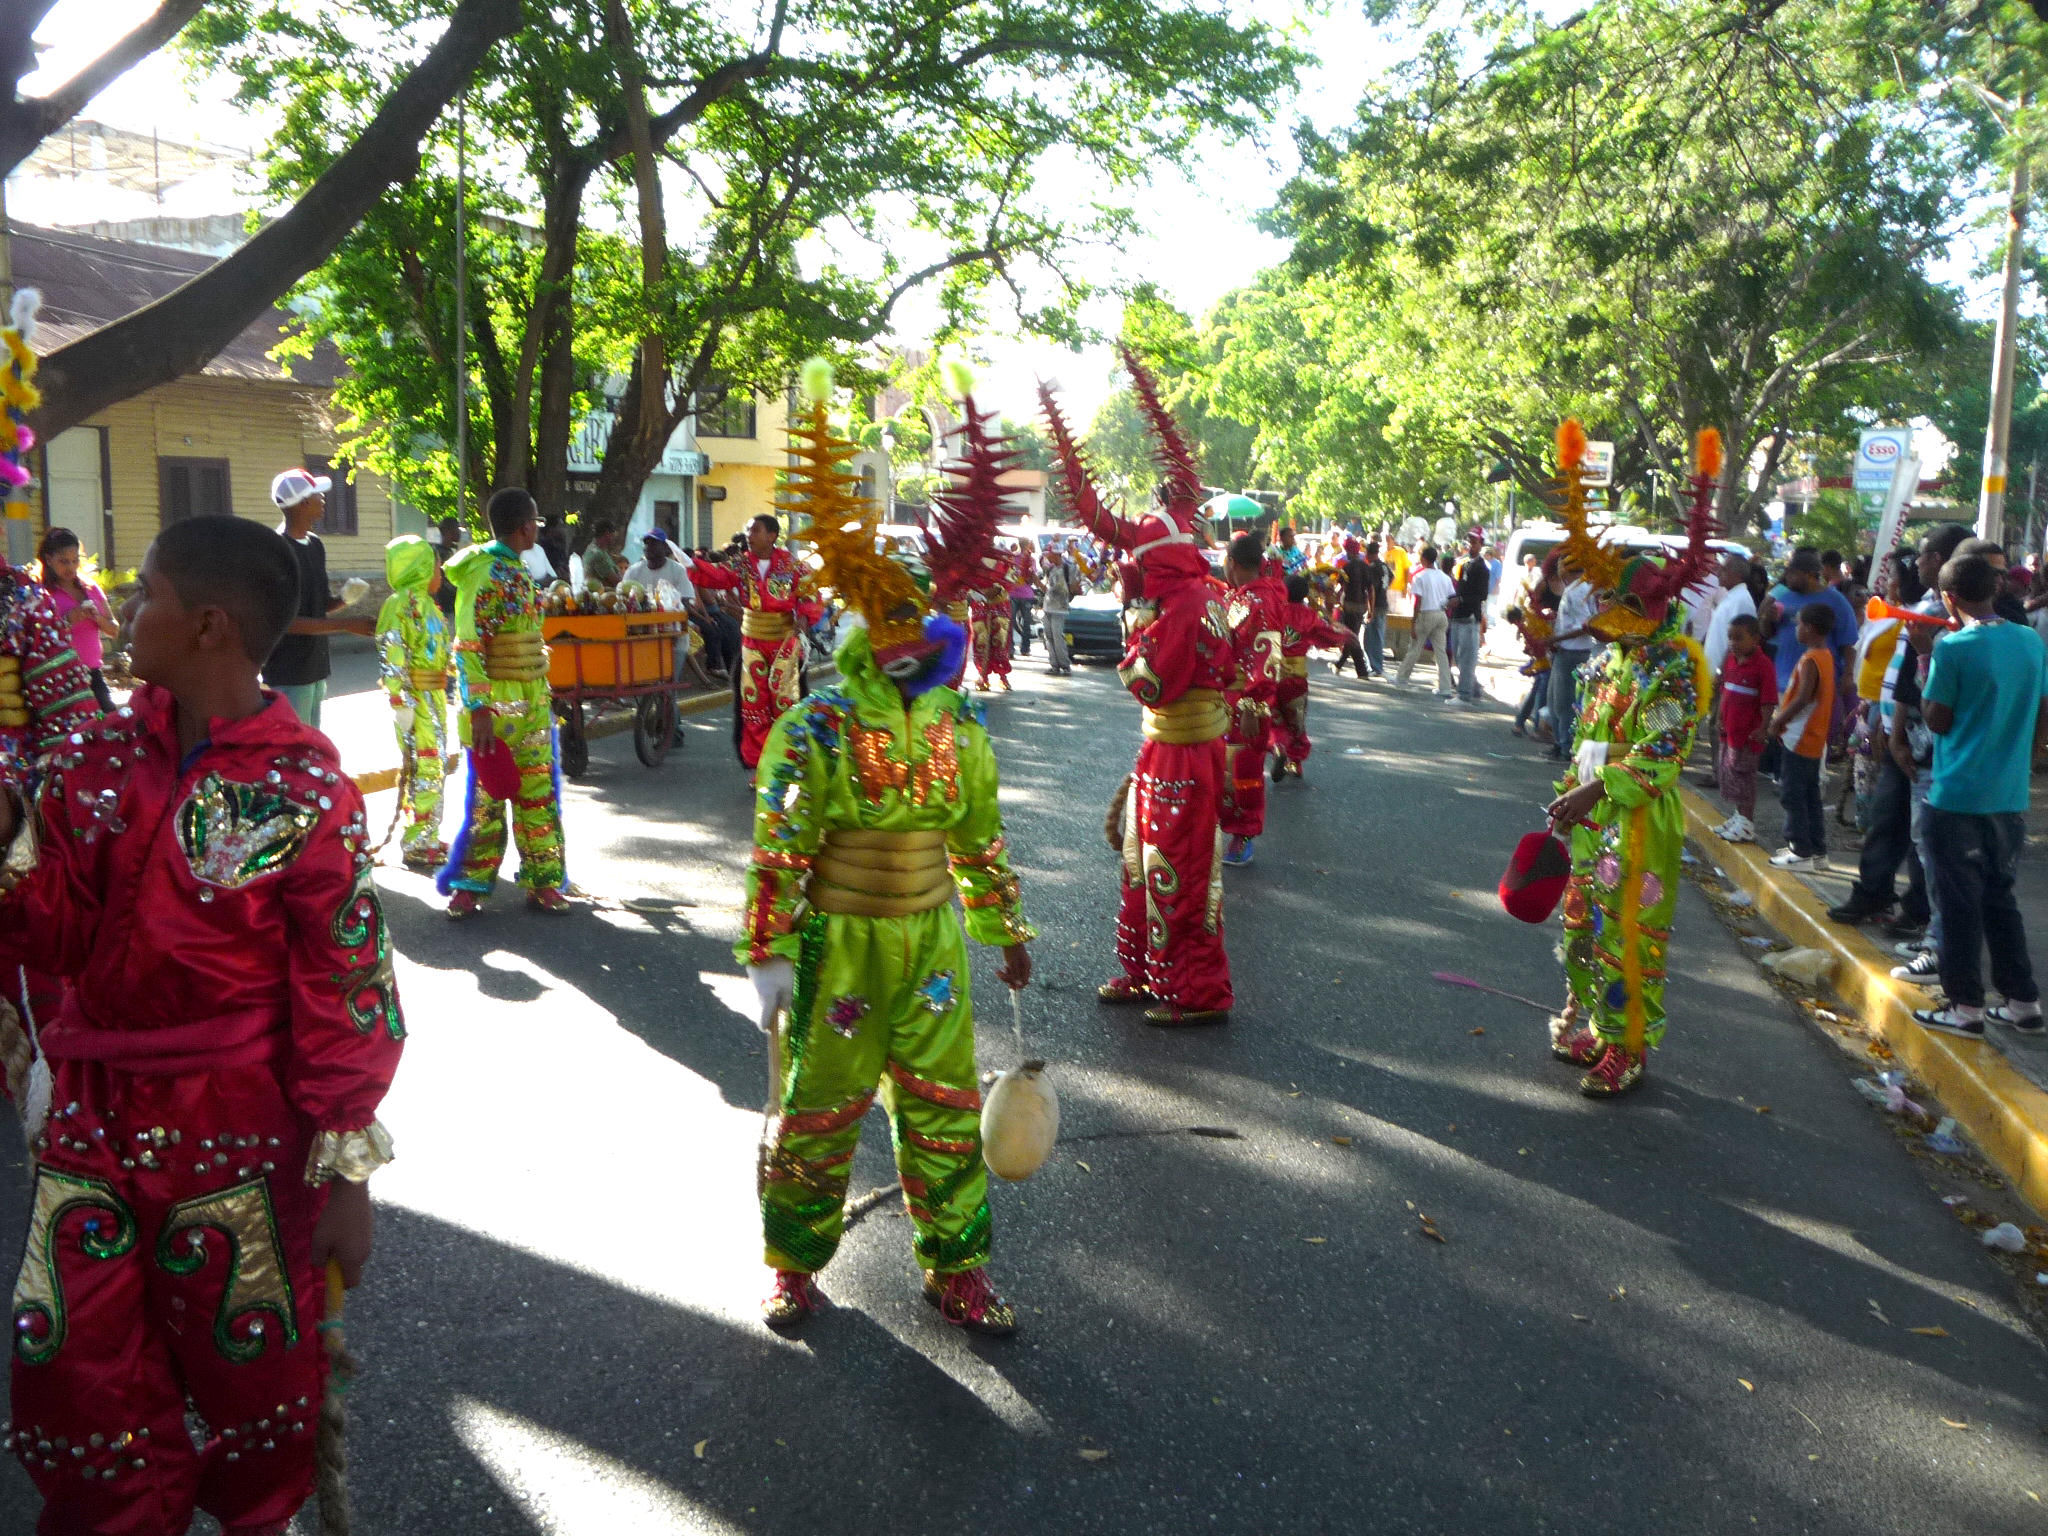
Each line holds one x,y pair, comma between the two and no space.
427,682
760,624
880,874
1196,716
516,658
1294,666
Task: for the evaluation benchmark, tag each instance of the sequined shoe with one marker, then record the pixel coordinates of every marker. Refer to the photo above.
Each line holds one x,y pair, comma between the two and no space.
548,898
792,1298
427,858
1572,1043
1121,989
1004,680
1615,1073
967,1300
464,904
1173,1016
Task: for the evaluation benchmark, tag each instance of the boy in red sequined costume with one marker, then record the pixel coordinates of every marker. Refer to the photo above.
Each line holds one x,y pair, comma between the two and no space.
1304,630
780,607
1181,657
1259,606
199,869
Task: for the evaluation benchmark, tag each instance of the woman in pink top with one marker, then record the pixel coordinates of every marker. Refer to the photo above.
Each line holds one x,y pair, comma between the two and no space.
82,605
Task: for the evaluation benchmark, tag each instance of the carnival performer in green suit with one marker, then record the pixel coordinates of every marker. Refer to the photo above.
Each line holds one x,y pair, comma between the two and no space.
413,652
503,670
1643,702
875,801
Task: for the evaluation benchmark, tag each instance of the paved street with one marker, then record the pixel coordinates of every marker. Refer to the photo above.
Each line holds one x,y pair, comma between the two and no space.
1679,1314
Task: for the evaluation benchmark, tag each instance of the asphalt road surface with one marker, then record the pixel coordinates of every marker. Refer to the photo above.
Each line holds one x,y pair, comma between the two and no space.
1649,1317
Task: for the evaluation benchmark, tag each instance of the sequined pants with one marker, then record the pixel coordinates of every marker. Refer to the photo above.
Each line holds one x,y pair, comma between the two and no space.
1244,782
991,633
421,721
768,679
881,1003
1290,720
536,811
1617,917
168,1254
1169,923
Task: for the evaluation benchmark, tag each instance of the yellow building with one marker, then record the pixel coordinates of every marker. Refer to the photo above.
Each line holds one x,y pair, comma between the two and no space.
206,443
747,445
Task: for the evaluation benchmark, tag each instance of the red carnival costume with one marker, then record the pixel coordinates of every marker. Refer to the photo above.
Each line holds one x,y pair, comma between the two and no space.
769,677
988,607
230,1028
1305,629
1169,936
1260,609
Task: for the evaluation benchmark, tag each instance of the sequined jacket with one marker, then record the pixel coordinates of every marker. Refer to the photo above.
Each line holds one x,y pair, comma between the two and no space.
412,637
1304,630
1644,701
494,595
787,588
856,756
214,912
45,690
1190,644
1259,610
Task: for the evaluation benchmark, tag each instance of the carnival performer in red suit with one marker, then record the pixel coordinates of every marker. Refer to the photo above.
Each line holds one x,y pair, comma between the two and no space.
780,607
1258,609
1181,658
989,608
198,868
1305,630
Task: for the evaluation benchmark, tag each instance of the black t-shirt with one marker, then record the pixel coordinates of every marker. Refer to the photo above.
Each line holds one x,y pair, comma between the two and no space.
302,659
1365,582
1472,584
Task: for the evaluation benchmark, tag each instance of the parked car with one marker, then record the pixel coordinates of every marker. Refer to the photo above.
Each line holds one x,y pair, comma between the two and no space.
1095,625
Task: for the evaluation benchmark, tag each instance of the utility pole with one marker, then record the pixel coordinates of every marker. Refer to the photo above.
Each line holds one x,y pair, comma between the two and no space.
1998,430
461,315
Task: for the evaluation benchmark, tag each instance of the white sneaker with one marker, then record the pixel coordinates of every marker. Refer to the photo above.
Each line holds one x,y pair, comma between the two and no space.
1923,969
1785,858
1744,831
1913,947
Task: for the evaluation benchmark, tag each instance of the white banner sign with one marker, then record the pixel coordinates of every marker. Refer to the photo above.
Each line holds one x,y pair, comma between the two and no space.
1879,451
1598,465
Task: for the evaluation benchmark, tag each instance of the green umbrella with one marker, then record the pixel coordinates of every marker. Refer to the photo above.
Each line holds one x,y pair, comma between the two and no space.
1232,509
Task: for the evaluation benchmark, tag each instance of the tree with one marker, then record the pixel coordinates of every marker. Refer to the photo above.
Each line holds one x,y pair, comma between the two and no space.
183,330
718,202
1656,216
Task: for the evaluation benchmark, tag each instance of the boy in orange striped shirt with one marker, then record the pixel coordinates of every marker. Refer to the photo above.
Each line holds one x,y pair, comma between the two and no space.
1801,723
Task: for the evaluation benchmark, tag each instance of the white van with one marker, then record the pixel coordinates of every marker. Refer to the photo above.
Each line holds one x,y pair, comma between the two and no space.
1539,539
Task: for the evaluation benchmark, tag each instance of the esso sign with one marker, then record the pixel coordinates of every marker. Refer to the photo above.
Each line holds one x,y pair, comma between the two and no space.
1881,450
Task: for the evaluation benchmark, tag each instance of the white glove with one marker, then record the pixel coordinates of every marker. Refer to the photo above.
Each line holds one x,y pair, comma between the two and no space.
775,987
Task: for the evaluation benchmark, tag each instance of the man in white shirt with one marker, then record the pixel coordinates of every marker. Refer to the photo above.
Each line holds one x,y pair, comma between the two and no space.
1432,590
1735,602
1569,647
661,565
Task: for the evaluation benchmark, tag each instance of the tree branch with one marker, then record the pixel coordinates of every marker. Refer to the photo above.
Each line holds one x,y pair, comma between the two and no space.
186,328
27,121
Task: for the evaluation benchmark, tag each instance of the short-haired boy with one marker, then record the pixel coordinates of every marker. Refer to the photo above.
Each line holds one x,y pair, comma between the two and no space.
199,870
1801,725
1748,694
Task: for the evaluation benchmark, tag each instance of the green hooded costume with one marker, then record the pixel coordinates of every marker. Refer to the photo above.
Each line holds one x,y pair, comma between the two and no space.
502,664
870,812
413,652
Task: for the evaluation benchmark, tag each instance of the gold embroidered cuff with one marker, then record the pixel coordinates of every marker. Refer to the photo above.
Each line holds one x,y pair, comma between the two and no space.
350,1155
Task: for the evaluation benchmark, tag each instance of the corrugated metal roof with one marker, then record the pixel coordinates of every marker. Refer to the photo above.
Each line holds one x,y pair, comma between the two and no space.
88,282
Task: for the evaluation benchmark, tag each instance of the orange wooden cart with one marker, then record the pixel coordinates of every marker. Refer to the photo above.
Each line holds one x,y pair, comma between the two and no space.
611,658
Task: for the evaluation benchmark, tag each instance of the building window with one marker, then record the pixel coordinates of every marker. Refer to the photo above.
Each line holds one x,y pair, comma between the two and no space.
340,517
724,411
192,488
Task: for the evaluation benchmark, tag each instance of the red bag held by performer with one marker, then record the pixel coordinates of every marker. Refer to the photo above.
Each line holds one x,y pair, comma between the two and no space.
1536,876
496,770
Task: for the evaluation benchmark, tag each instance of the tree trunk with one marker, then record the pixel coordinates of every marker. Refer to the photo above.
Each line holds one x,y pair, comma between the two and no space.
185,329
545,372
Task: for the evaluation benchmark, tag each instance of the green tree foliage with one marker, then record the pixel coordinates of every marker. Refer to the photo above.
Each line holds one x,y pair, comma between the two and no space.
1656,216
815,162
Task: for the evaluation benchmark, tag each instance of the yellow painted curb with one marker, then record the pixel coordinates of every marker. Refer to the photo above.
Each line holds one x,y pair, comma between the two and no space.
2004,1113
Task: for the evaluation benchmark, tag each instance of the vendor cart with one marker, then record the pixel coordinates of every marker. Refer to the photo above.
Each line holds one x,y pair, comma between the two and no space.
608,658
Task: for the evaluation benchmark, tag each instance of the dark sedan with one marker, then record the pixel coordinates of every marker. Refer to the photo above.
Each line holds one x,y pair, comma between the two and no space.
1095,626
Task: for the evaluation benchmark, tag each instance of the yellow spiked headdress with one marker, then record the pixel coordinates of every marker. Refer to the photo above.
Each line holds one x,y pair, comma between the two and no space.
1599,564
828,512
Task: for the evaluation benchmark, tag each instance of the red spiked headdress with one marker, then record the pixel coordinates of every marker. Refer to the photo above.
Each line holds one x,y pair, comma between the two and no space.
966,512
1643,592
1179,480
1135,537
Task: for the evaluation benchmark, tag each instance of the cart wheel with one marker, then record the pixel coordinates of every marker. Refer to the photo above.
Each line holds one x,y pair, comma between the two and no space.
654,727
575,745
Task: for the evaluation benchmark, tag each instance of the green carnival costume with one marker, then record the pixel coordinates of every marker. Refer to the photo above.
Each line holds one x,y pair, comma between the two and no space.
1643,702
501,662
413,649
875,801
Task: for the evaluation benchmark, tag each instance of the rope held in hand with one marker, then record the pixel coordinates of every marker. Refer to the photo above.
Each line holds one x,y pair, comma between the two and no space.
331,1444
